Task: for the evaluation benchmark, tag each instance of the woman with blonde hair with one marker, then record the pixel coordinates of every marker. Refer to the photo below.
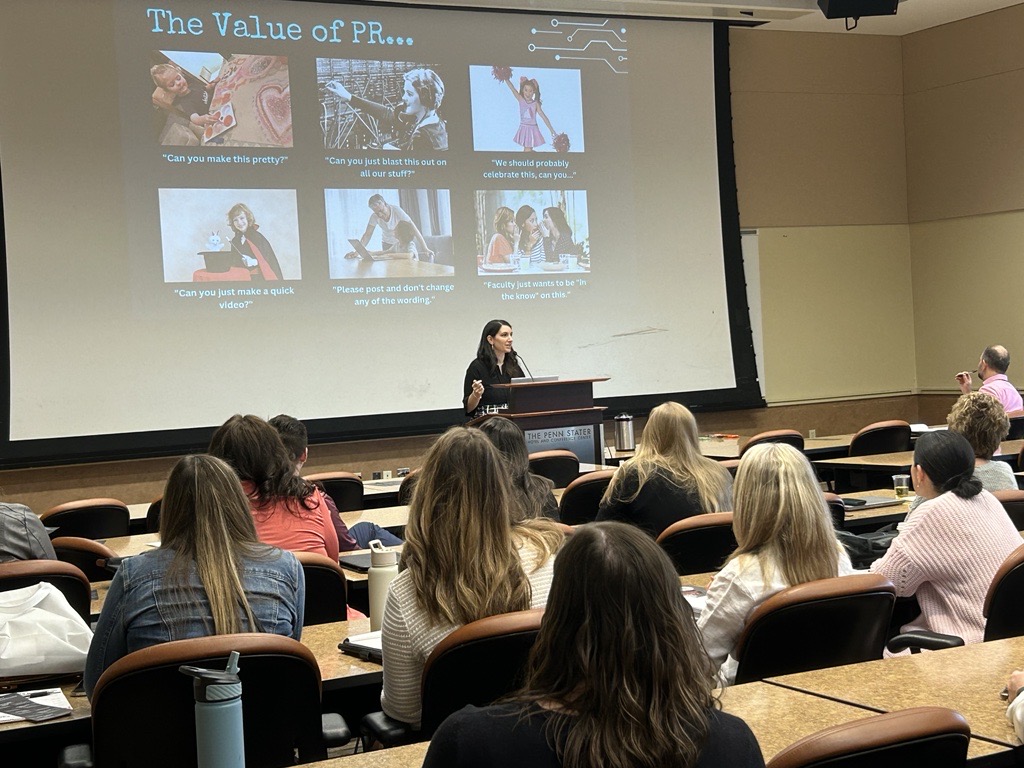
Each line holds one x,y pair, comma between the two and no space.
463,560
210,576
617,676
785,537
668,479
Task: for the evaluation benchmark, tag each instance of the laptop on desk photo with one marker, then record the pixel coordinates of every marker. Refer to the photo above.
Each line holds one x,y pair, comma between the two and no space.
361,249
532,379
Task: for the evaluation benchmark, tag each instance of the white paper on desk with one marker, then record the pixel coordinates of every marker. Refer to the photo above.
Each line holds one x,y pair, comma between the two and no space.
154,544
366,640
697,604
54,698
697,597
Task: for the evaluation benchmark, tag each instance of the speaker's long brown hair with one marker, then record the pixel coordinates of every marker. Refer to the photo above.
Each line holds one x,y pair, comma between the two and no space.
619,661
460,543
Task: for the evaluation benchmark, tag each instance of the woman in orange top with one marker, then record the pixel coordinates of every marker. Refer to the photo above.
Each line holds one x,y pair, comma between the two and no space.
289,512
500,249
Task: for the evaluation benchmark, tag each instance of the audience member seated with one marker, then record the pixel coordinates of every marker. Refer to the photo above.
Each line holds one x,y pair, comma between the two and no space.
532,493
617,676
668,478
951,546
464,559
785,537
210,576
295,438
992,366
289,512
981,419
22,535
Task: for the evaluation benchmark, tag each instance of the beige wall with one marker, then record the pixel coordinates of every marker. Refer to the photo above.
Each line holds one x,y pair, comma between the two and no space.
838,134
817,129
821,173
964,88
837,315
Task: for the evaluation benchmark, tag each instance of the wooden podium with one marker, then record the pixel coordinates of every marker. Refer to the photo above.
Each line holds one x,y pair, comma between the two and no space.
556,414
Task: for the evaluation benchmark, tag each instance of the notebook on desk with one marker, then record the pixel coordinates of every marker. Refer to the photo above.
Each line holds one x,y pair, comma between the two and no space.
366,646
357,563
872,502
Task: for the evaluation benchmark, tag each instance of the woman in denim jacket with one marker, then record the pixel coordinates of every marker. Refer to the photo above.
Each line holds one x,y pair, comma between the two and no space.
210,576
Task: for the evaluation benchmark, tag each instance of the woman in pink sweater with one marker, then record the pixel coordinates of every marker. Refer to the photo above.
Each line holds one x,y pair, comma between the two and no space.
951,546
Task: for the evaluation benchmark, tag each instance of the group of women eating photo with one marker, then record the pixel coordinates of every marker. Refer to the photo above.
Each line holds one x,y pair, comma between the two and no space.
522,233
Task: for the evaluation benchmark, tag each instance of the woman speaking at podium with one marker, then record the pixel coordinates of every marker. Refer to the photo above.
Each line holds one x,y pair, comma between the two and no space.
495,363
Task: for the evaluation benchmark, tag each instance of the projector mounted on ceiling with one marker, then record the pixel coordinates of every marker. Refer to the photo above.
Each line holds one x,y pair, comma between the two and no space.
855,9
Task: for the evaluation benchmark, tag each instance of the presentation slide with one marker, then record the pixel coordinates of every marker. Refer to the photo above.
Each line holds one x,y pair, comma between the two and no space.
314,208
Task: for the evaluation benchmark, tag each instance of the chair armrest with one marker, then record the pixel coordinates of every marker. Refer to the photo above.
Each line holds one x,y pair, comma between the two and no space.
921,638
76,756
335,730
110,563
379,727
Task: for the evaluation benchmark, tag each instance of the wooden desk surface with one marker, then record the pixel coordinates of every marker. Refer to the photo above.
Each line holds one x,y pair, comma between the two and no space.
901,461
783,716
729,447
385,517
80,709
128,546
721,447
397,757
702,580
896,511
966,679
337,669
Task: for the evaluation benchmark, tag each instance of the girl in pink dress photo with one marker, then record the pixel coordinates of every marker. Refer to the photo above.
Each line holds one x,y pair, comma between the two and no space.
529,136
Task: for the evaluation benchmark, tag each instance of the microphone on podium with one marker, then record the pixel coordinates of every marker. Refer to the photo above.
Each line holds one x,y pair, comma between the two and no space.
518,359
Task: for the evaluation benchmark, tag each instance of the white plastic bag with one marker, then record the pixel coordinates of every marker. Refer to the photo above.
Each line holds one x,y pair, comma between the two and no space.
40,633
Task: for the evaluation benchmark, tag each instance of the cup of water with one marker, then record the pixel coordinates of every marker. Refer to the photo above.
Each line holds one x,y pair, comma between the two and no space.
901,484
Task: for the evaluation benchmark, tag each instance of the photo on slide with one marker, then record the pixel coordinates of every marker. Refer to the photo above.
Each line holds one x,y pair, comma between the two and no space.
526,109
229,235
370,105
389,233
210,100
526,232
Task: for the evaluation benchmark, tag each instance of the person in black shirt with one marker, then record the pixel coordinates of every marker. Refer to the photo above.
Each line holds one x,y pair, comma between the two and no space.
495,363
617,677
668,479
191,100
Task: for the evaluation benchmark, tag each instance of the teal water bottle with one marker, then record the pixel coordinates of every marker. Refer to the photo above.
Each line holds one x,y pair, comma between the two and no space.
220,741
